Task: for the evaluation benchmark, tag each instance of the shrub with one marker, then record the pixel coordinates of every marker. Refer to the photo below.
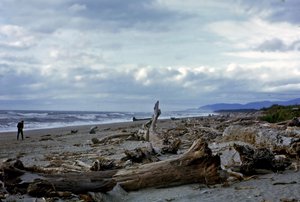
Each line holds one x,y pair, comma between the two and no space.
277,113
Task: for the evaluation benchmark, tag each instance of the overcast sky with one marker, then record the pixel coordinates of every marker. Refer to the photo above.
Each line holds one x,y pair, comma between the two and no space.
112,55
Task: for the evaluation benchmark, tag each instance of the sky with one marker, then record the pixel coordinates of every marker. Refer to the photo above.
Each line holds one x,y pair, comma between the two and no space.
124,55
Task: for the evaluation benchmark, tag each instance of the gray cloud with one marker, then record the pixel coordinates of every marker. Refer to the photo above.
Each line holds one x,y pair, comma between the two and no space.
110,15
287,10
79,54
278,45
117,15
89,87
275,10
272,45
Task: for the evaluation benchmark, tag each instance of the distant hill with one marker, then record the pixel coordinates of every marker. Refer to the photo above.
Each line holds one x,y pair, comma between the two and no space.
250,105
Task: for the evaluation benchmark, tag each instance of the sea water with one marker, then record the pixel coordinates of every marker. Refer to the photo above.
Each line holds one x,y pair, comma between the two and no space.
54,119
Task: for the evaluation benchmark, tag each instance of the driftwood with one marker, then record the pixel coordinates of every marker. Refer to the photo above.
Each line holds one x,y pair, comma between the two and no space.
144,119
156,114
19,179
126,136
254,160
171,145
104,164
197,165
294,122
294,149
113,136
148,131
141,155
93,130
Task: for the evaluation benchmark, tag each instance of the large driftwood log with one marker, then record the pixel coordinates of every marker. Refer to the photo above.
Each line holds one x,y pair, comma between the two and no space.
197,165
20,179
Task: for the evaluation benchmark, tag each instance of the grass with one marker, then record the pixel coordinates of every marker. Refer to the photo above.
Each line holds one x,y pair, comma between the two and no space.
278,113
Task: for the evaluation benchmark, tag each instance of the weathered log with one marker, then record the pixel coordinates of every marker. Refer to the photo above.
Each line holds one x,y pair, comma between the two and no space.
197,165
26,180
84,182
142,119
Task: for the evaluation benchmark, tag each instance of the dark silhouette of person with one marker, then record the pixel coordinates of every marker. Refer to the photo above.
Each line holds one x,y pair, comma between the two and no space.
20,129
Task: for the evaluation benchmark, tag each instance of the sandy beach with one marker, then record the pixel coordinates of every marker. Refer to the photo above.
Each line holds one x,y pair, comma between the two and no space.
62,147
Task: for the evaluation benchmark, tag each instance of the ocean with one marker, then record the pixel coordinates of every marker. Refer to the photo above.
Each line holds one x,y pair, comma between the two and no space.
54,119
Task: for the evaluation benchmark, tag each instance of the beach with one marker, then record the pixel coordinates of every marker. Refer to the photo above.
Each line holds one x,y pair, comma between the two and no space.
61,148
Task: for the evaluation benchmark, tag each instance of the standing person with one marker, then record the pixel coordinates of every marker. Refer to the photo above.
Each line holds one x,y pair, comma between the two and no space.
20,129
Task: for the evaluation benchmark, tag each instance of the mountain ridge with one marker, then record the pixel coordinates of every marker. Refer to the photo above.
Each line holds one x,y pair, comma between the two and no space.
251,105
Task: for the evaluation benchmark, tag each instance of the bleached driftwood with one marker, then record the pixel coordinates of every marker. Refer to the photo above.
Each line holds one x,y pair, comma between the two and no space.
114,136
197,165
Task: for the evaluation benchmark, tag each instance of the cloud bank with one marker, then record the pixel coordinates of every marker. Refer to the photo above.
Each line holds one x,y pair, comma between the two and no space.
111,55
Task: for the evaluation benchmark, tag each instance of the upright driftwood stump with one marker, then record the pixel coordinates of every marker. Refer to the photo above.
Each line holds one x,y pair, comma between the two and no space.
148,131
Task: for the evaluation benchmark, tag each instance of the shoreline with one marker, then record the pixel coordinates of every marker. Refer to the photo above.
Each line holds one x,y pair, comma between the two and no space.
52,119
28,133
80,126
35,130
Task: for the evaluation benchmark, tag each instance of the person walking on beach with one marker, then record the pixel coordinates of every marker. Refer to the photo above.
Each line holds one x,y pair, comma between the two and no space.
20,129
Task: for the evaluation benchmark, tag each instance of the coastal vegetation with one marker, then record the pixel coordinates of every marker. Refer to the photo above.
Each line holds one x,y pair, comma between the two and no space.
278,113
